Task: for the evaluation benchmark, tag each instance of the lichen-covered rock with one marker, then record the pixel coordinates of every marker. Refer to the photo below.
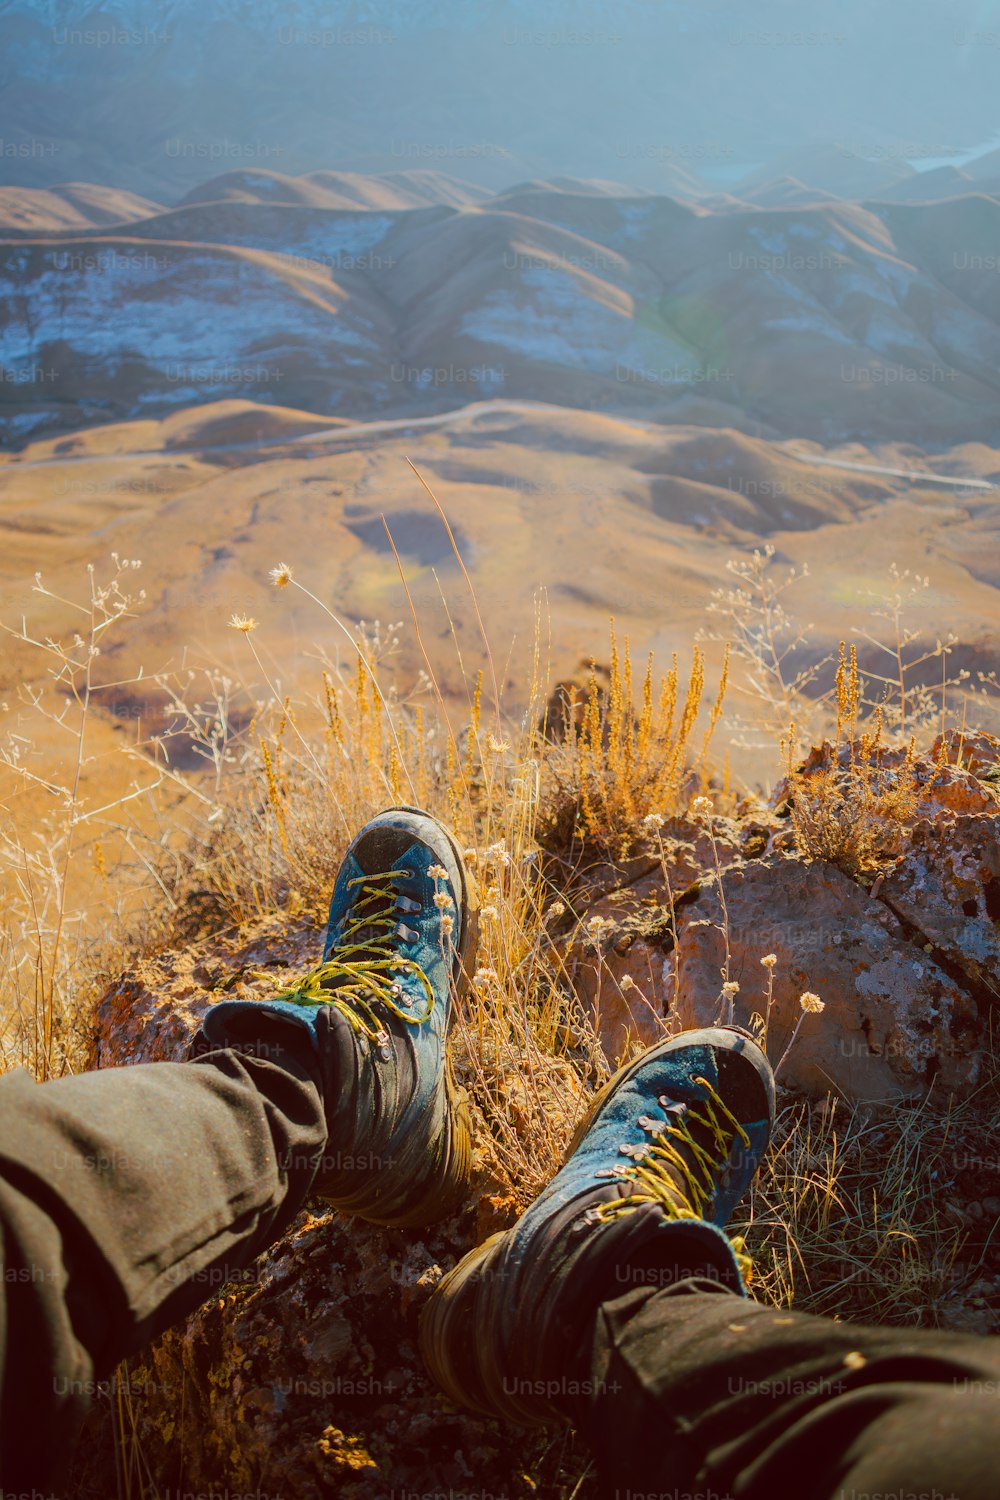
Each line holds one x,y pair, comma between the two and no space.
621,986
972,750
947,887
617,953
893,1019
949,788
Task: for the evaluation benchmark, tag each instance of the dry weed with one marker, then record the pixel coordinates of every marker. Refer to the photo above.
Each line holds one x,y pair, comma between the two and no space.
854,806
624,755
847,1215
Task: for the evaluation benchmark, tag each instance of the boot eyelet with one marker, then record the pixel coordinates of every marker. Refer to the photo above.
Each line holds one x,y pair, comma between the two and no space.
672,1106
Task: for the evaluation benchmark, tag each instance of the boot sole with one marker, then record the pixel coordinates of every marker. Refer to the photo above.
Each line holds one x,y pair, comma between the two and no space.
435,1335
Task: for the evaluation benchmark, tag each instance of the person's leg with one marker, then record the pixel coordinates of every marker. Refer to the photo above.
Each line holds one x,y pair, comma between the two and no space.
126,1197
751,1402
617,1302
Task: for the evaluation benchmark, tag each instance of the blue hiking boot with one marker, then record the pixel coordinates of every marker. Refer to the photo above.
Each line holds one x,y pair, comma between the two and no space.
664,1154
399,947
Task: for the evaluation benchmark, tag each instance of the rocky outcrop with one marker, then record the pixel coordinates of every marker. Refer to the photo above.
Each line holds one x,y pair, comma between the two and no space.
893,1019
303,1377
154,1009
626,914
964,783
907,964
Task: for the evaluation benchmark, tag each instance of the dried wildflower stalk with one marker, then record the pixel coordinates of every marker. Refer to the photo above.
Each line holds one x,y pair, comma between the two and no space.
854,808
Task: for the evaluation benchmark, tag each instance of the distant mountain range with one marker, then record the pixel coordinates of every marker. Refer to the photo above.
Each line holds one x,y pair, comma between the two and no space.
360,297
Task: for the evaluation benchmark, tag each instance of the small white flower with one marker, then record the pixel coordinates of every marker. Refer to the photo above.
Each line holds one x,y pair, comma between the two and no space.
811,1002
447,924
281,576
438,872
702,805
488,913
730,987
442,900
769,960
653,820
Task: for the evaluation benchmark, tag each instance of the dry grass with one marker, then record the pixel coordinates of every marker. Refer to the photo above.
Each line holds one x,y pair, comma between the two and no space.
624,755
854,806
756,624
853,1215
44,992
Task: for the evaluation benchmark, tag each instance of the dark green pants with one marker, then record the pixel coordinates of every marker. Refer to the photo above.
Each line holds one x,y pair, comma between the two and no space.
127,1197
703,1393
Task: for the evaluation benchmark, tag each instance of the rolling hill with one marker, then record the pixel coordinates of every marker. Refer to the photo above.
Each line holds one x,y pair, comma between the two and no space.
822,319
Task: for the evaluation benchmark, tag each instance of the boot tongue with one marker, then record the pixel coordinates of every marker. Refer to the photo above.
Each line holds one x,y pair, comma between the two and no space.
380,848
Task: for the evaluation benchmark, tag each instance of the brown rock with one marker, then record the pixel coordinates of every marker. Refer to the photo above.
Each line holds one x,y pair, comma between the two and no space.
951,789
893,1017
973,750
618,966
152,1012
981,1321
690,852
623,995
947,886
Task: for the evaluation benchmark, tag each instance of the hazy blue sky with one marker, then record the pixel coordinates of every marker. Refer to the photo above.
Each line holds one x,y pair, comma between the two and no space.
159,94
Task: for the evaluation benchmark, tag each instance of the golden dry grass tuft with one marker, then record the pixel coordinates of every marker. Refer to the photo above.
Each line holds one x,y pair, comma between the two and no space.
854,807
623,754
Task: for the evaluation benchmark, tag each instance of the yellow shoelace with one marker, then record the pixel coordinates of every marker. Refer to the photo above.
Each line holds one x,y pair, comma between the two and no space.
357,977
674,1169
